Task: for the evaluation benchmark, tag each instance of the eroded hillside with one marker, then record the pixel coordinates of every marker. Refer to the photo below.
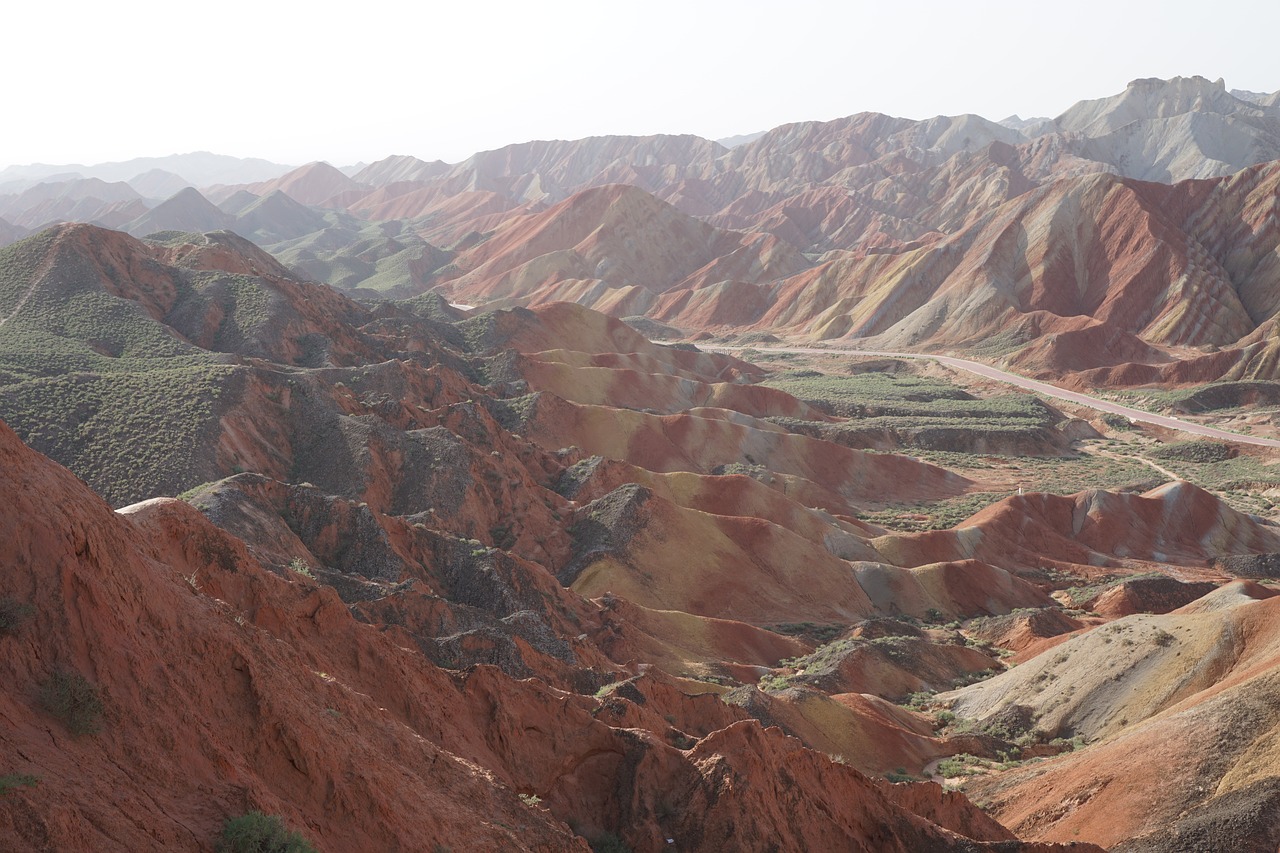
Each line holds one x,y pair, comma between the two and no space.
526,580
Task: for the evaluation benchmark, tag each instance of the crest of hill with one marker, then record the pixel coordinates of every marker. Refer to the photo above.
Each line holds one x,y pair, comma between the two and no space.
235,202
1173,130
81,199
187,210
618,234
199,168
1153,98
276,217
158,184
806,152
551,170
313,184
398,168
1177,523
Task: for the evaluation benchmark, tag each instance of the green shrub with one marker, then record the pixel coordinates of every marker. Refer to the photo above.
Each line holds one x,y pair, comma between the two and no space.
299,566
608,842
256,832
958,765
1199,452
13,613
13,781
71,698
1116,421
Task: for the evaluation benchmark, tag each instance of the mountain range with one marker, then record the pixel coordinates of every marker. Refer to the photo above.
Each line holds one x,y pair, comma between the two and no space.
802,222
361,498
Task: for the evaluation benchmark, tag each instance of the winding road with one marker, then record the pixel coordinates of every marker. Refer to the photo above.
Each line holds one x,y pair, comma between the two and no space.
1045,388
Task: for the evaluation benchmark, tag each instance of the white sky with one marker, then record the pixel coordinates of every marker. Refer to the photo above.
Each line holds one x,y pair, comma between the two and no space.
299,81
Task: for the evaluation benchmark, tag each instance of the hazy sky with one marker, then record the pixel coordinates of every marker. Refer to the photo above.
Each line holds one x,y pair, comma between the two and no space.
300,81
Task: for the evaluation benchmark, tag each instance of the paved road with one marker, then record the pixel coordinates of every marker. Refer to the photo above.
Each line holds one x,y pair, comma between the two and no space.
1031,385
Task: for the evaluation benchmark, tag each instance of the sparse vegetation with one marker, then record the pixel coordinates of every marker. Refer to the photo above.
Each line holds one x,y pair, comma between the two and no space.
608,842
960,765
770,683
1115,421
12,614
921,411
71,698
13,781
256,832
1199,452
299,566
1078,595
809,630
930,515
918,701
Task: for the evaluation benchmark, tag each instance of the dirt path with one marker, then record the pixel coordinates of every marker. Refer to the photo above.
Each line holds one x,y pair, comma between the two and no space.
1045,388
1145,461
35,282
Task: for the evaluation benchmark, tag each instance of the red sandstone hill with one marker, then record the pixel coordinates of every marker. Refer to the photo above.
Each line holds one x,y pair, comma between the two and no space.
1182,707
617,242
281,701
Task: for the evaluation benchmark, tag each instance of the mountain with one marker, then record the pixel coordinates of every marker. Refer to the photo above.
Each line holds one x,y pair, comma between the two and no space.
158,184
1150,99
552,170
616,242
276,217
741,139
314,184
199,168
395,169
80,200
1174,130
186,210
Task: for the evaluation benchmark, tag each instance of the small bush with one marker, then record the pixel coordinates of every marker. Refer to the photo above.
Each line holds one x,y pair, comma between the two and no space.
958,765
918,700
608,843
1198,452
256,832
1116,421
13,781
13,613
71,698
299,566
